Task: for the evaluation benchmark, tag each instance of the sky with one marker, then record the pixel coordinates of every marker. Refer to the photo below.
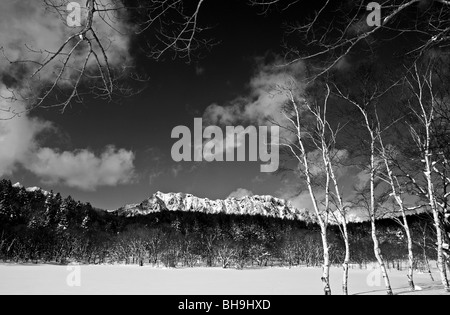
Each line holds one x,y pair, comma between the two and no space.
114,153
111,154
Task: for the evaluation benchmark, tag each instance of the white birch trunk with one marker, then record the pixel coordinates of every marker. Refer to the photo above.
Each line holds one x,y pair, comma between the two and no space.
323,231
376,245
303,159
405,223
341,209
426,117
410,254
346,260
326,263
432,203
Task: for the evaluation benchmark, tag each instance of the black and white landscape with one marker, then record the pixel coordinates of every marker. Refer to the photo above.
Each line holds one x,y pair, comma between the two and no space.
224,147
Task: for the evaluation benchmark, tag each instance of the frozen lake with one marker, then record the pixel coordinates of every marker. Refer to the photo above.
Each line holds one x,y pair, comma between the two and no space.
53,279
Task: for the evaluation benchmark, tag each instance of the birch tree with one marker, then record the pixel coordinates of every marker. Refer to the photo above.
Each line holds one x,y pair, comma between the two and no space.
310,131
325,140
425,112
389,177
366,106
89,54
328,153
298,148
337,30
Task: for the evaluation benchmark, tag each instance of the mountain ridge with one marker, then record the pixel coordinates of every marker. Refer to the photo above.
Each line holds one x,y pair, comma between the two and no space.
264,205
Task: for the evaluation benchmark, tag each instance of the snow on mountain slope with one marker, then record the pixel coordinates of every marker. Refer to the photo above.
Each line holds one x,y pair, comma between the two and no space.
268,206
31,189
250,205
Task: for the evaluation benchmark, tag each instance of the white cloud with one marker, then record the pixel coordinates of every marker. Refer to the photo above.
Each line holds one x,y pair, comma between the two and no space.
29,27
83,169
80,169
296,191
317,166
240,193
263,104
17,136
304,201
267,94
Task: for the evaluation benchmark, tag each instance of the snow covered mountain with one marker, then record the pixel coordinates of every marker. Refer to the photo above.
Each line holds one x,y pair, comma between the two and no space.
31,189
250,205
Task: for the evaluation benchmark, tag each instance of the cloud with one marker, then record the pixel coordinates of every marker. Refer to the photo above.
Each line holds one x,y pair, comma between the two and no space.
359,27
240,193
30,30
260,178
317,166
264,100
17,136
19,146
83,169
260,106
79,169
296,192
343,64
303,200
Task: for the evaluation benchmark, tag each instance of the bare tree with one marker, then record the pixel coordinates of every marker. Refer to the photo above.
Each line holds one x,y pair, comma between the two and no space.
336,30
225,252
325,140
397,191
366,106
423,244
85,61
330,158
421,84
155,243
299,149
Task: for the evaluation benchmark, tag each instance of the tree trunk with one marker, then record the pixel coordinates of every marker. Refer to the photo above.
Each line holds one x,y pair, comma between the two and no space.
379,257
425,256
447,262
437,222
303,159
376,245
343,213
410,255
322,223
405,224
440,254
326,263
346,262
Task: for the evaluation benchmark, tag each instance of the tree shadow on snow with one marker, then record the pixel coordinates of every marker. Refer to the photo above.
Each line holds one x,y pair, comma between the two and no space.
426,289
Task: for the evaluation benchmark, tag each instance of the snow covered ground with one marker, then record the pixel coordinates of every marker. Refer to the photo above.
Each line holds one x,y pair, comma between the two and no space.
53,279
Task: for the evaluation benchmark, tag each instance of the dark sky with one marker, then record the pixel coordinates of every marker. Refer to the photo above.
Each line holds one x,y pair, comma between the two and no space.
87,151
176,93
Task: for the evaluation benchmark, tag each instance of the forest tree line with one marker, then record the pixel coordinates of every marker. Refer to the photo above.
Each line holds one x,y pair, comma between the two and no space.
38,227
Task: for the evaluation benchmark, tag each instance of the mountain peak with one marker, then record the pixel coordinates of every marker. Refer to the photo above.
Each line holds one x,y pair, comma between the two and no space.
264,205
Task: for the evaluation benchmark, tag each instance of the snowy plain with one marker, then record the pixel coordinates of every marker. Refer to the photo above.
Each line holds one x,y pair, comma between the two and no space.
115,279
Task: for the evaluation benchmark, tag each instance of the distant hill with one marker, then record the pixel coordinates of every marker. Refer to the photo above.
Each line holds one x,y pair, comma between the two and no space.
267,206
